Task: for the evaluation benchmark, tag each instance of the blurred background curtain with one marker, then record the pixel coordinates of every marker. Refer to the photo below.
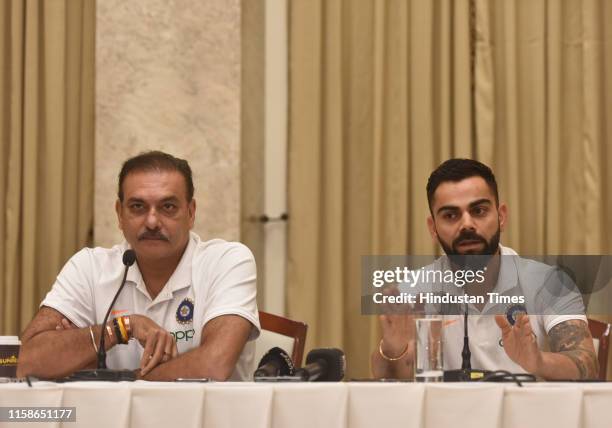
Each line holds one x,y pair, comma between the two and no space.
46,152
544,103
381,92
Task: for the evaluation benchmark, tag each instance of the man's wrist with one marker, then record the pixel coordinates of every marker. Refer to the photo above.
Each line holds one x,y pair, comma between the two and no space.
138,375
110,340
539,368
391,351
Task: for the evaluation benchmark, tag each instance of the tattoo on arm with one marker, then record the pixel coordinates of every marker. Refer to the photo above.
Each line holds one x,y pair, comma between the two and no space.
577,357
573,339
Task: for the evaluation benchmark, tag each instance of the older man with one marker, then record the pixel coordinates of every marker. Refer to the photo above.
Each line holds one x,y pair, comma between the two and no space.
467,219
188,305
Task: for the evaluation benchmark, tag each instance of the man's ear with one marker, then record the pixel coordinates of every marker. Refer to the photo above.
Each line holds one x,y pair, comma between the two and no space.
118,212
503,216
432,229
192,210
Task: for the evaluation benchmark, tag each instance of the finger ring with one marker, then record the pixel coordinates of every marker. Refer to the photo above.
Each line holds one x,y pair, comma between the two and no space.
150,357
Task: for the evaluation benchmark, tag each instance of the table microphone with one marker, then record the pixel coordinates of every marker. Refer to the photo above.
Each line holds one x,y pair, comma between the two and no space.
276,362
102,372
466,354
323,365
466,373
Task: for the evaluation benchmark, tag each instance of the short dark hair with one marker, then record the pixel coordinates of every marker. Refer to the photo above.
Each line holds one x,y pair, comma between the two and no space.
457,170
156,161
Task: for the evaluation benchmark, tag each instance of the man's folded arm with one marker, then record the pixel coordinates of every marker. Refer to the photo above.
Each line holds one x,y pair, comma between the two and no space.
50,353
223,339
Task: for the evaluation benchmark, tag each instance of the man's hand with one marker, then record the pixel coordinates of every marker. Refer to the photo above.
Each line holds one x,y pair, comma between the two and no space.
520,342
64,324
222,342
398,338
397,325
159,345
572,356
397,333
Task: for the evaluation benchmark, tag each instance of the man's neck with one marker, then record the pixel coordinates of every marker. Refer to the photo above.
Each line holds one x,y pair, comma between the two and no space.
156,273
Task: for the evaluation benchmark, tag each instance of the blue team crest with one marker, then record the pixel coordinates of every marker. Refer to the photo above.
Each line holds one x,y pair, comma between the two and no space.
184,312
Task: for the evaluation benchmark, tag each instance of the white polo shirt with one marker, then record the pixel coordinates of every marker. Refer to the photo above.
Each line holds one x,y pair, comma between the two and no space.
213,278
486,345
517,276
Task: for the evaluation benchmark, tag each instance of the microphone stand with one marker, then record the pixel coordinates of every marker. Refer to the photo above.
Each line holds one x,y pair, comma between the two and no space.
101,346
102,373
466,373
466,355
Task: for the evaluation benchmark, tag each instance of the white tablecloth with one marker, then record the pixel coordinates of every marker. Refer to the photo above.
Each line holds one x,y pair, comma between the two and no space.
382,405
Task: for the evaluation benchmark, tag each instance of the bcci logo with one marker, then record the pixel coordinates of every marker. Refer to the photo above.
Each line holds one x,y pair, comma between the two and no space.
184,312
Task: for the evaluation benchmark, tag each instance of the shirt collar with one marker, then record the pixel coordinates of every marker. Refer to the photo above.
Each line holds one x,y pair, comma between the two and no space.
508,271
181,277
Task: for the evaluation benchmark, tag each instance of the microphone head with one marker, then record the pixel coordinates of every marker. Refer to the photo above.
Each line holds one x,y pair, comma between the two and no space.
513,312
335,360
129,257
279,357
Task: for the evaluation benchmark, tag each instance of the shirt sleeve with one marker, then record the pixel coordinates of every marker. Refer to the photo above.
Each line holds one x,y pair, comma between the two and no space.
560,300
232,288
552,320
71,294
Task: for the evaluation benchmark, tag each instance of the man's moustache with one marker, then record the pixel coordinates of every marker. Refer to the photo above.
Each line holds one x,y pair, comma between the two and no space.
469,236
152,235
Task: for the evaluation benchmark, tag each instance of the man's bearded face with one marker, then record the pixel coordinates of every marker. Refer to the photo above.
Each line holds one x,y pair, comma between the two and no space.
466,218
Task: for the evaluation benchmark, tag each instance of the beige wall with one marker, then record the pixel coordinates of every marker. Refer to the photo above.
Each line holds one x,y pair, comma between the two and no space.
168,78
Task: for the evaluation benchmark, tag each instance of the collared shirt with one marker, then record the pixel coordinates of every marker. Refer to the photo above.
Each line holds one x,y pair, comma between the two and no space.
213,278
545,305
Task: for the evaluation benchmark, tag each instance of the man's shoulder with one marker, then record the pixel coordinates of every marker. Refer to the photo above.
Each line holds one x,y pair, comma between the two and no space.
98,257
219,251
527,266
548,289
507,251
89,267
217,261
